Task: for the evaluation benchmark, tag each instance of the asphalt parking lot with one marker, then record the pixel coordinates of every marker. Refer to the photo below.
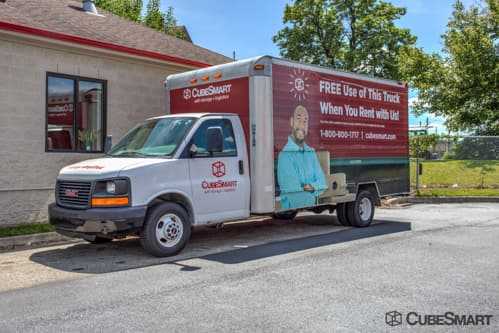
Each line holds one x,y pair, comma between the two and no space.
309,275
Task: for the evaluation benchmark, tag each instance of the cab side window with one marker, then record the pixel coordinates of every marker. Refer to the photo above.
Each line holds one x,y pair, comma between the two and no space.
199,144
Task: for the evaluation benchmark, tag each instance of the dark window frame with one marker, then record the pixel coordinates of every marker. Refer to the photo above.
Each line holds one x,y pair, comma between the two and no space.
76,85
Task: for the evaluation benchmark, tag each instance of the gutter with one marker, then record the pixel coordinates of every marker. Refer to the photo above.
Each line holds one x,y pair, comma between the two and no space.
98,44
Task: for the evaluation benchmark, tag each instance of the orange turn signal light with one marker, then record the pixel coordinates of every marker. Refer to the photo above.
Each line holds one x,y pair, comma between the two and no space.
259,67
106,202
205,78
217,76
192,81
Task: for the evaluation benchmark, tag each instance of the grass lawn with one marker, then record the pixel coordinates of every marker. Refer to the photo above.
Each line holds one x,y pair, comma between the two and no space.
27,229
466,174
458,192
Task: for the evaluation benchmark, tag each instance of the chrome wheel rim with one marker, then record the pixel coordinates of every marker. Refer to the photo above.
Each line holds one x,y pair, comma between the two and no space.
365,209
169,230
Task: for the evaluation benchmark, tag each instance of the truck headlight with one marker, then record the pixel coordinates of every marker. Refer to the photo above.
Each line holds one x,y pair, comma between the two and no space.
111,187
111,193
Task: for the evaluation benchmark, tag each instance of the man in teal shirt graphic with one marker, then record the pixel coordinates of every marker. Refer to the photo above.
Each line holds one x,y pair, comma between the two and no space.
301,179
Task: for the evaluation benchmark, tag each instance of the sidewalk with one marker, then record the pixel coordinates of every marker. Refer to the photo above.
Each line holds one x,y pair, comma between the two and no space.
34,240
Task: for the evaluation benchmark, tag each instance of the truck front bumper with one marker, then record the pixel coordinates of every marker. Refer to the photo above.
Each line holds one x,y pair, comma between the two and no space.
107,222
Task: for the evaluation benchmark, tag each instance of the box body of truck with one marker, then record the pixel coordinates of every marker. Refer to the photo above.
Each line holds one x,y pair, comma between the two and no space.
354,128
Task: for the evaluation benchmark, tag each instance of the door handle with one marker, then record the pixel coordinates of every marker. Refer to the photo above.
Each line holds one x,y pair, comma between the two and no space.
241,167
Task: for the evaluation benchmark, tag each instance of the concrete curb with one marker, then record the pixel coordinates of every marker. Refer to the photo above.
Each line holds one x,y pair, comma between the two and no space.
34,240
437,200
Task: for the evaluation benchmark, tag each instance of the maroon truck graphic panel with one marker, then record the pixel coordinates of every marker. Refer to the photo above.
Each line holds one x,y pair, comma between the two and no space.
329,126
347,117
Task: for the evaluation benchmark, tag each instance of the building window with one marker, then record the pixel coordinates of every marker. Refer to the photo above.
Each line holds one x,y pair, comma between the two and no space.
76,114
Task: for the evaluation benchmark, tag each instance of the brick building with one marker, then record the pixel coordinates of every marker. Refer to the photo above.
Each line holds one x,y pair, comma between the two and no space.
68,78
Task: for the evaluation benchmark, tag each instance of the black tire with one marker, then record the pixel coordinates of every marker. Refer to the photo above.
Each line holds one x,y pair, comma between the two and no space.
357,216
341,213
98,240
287,215
162,225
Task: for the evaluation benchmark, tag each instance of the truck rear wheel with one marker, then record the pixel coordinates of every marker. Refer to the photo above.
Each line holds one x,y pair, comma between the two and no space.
166,230
341,213
361,211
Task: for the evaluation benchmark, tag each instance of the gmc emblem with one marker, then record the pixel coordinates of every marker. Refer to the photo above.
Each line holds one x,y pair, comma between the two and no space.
71,193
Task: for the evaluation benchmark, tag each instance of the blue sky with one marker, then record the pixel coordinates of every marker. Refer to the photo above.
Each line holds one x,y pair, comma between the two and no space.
247,27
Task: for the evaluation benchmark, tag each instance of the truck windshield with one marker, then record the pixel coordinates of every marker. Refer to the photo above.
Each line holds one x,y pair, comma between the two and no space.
155,137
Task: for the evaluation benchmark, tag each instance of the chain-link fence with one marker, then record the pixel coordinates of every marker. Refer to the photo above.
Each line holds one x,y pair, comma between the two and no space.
455,166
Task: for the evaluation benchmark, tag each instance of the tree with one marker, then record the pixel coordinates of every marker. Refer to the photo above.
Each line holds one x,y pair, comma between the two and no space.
419,145
164,22
129,9
170,26
353,35
463,84
154,17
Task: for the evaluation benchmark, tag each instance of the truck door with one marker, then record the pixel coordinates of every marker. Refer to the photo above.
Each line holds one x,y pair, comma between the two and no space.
220,183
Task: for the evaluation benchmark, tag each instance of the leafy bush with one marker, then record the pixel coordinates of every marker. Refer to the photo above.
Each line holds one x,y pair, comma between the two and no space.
419,145
449,156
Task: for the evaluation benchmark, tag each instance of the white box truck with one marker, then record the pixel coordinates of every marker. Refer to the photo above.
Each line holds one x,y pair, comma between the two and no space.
262,136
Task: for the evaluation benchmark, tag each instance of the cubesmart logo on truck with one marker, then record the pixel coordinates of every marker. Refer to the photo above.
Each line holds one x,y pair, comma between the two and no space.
218,170
207,94
219,186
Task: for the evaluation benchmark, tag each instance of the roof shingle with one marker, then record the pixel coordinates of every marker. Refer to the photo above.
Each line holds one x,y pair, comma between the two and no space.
67,17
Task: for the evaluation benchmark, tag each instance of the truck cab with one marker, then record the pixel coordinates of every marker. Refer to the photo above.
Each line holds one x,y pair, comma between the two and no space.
165,167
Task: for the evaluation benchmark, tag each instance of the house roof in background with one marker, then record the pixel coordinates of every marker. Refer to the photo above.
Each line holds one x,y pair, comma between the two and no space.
65,20
183,28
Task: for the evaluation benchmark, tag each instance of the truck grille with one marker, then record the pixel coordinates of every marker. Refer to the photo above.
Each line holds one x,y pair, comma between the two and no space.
73,193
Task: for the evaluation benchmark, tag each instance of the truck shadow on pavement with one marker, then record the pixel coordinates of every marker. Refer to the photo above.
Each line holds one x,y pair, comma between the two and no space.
300,244
233,244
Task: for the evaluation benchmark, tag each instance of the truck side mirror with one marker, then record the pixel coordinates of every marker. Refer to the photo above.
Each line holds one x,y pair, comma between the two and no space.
108,143
193,150
214,139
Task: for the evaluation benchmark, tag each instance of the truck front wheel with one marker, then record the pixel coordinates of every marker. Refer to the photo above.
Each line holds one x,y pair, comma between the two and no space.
361,211
166,230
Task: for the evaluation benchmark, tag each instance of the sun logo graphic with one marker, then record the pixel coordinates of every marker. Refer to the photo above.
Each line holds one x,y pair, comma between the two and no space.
187,93
298,84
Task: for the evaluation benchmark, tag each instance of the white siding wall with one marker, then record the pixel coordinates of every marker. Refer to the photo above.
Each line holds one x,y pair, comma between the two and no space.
27,172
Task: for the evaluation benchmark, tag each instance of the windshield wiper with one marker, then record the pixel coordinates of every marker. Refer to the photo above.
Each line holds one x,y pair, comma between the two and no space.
129,153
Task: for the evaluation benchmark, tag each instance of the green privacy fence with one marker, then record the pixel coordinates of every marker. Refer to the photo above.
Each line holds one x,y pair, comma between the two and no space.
458,166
